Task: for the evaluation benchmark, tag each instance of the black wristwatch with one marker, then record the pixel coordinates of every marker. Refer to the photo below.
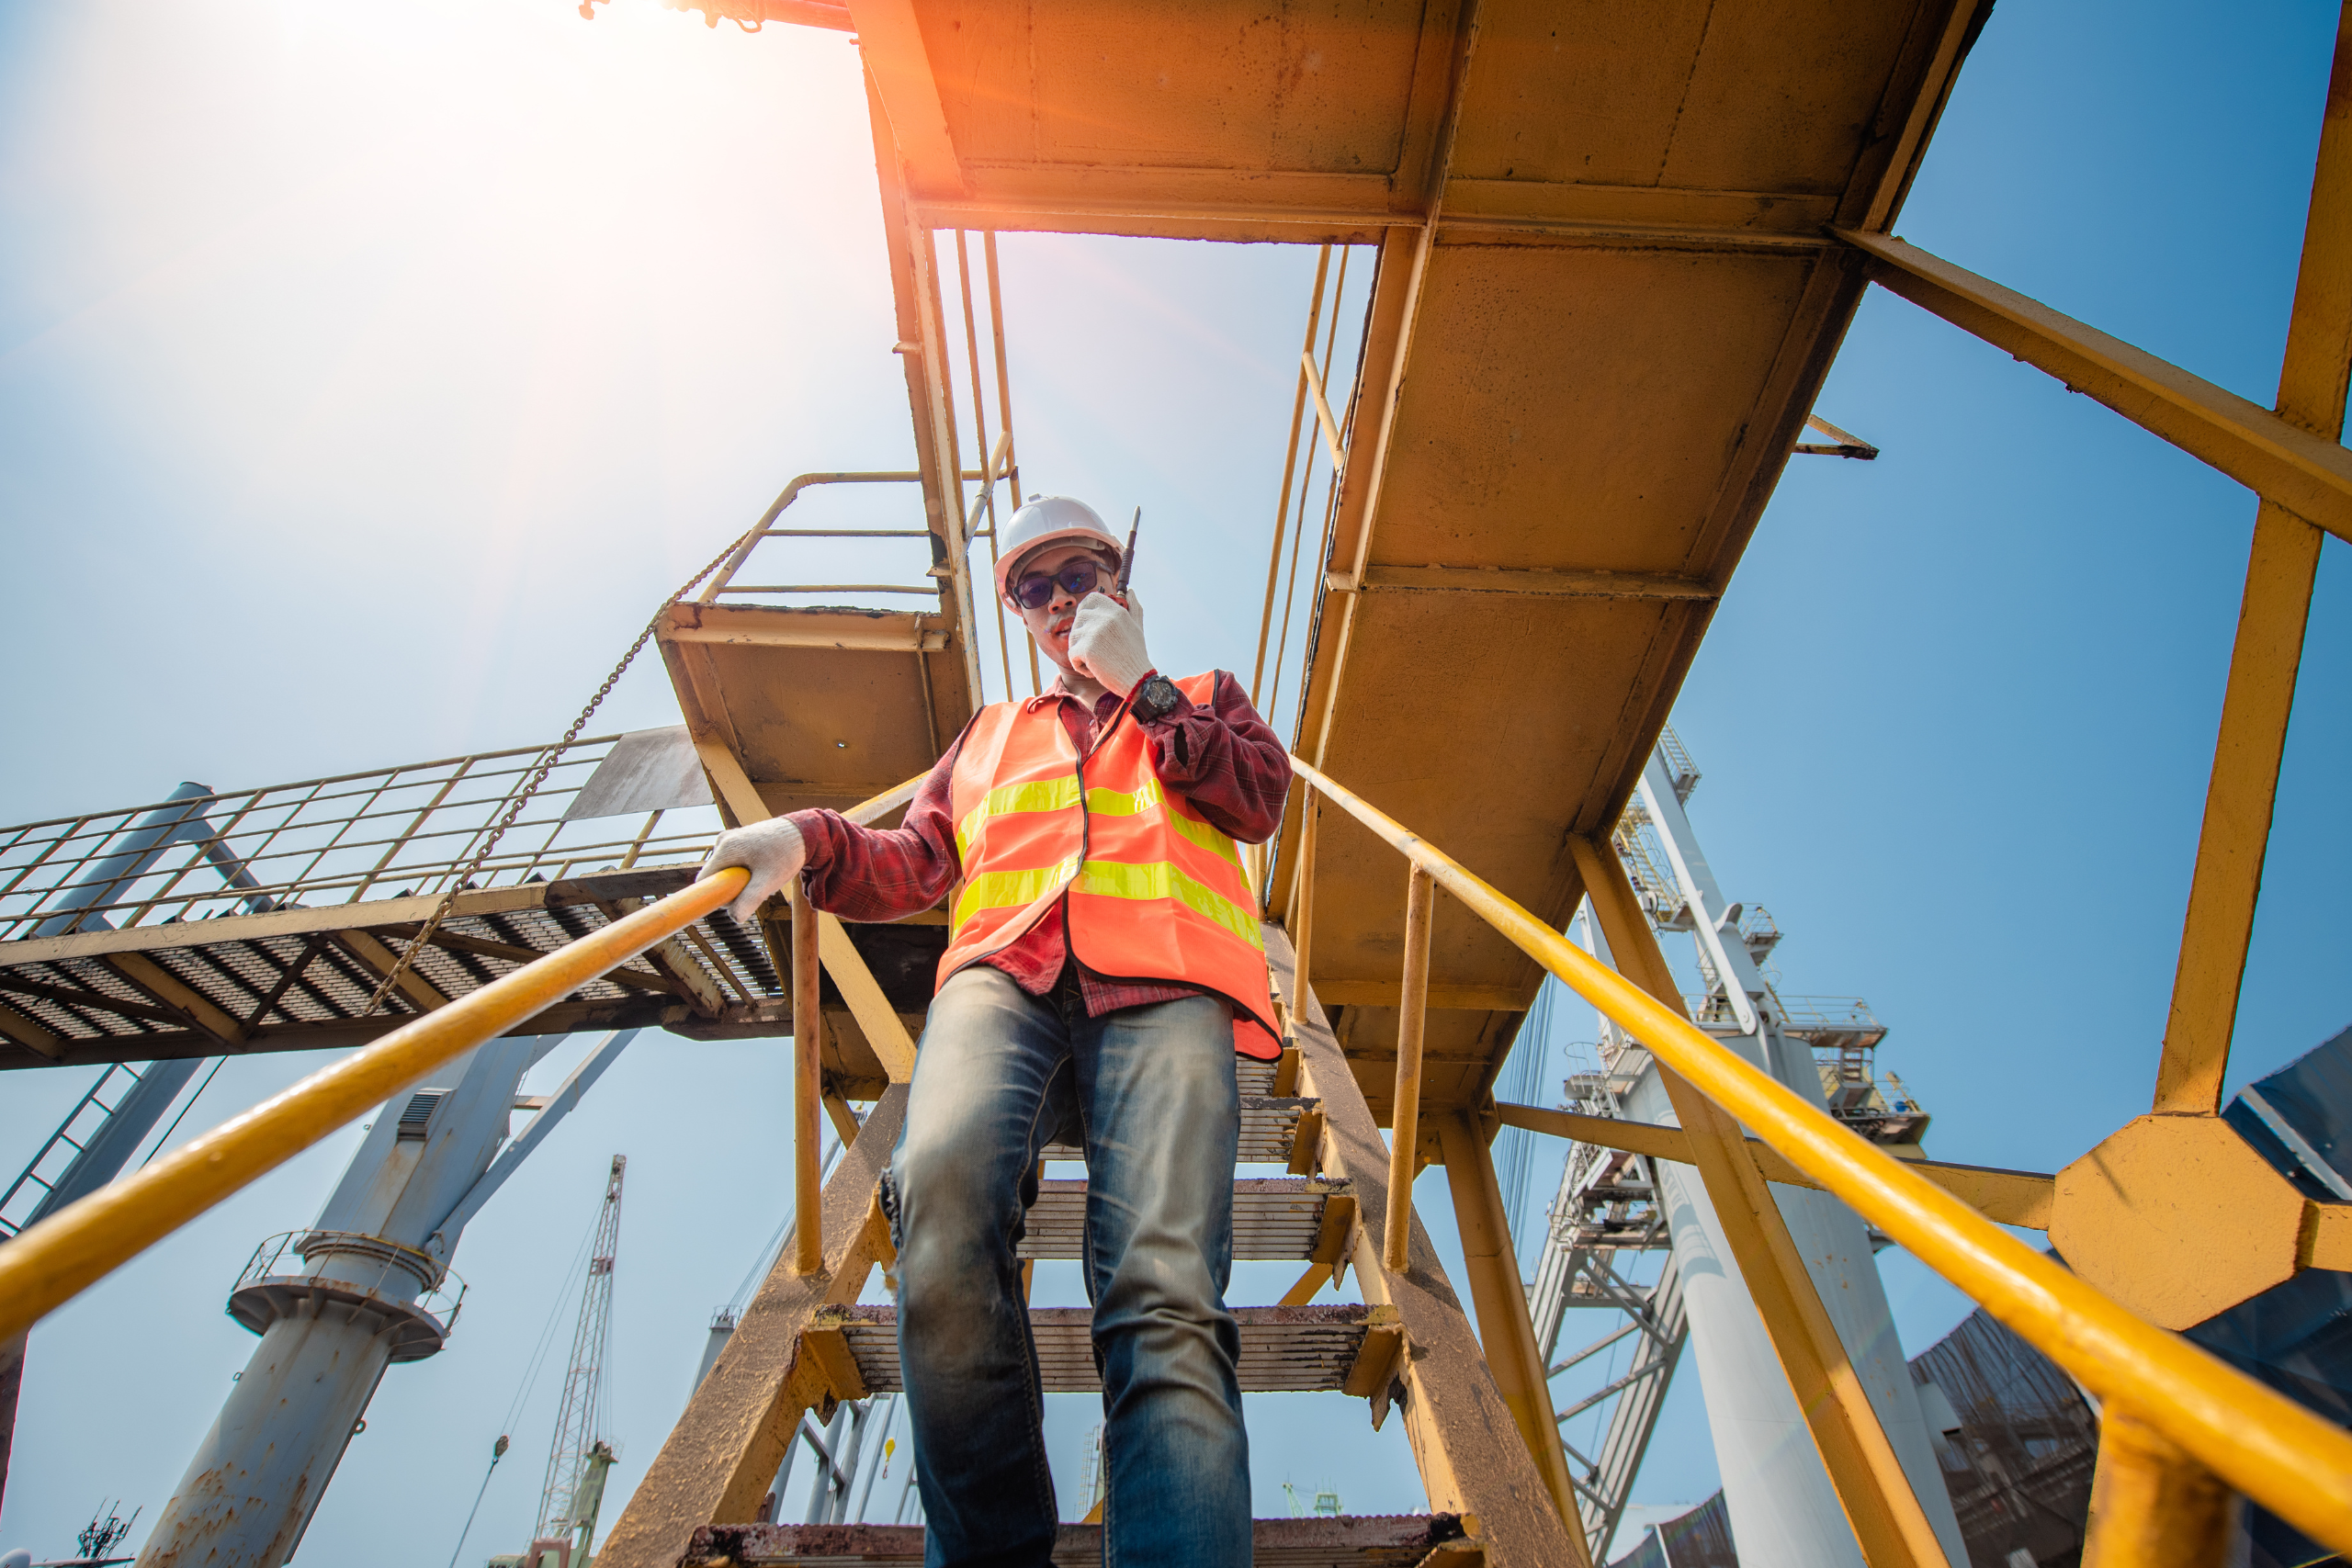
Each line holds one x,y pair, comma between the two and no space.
1156,697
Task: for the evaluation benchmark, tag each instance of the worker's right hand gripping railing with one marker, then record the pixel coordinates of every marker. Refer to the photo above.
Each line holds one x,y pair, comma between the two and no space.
2180,1429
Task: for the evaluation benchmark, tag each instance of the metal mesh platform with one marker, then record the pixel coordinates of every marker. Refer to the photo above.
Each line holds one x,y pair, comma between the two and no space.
1282,1349
1268,1129
1282,1217
299,977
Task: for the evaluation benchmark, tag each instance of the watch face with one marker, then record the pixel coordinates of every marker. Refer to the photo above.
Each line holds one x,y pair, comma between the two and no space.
1158,694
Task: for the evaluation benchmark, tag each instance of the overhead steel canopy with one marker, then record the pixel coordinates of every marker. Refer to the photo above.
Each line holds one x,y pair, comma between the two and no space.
1607,296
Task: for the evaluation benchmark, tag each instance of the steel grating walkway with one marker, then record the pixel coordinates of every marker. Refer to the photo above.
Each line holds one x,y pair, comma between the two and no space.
1282,1217
1284,1350
297,977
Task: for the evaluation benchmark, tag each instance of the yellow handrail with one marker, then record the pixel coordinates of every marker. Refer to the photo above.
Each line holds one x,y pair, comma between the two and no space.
50,1263
2265,1445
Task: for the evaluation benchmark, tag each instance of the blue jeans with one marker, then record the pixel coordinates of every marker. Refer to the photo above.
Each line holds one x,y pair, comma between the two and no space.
1149,1093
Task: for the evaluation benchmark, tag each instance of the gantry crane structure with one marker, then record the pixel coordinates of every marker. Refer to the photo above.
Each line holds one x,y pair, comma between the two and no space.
1615,1206
1615,253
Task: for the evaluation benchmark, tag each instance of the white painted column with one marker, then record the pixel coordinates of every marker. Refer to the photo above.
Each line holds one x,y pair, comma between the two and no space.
1784,1514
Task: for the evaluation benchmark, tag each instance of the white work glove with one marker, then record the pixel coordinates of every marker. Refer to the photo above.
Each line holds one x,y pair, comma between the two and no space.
1106,642
771,850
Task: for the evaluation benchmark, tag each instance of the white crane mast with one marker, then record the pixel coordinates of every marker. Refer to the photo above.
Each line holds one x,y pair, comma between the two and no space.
581,1455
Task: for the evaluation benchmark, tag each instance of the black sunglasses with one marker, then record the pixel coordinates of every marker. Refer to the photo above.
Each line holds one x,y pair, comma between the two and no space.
1077,577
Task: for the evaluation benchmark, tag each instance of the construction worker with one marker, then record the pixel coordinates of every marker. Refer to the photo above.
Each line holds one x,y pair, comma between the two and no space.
1104,969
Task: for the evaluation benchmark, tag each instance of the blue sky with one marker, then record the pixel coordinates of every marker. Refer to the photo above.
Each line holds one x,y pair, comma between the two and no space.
367,375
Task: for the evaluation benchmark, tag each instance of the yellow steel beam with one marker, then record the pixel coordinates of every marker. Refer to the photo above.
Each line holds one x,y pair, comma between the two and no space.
2011,1197
1421,901
52,1262
2293,1461
1290,472
168,988
2239,795
893,1047
1332,445
2152,1505
2277,459
1505,1331
890,40
1539,582
2269,648
915,300
1445,998
1404,255
807,1082
384,961
885,1031
1464,1441
1888,1522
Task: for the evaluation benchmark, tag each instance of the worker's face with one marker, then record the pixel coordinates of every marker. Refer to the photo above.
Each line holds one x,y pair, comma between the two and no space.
1051,624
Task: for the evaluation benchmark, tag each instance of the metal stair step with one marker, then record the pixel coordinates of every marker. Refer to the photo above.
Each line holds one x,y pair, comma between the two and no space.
1269,1130
1347,1347
1404,1541
1274,1217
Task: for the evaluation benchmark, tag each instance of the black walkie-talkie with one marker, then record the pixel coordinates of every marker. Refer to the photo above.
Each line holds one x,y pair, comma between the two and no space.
1127,561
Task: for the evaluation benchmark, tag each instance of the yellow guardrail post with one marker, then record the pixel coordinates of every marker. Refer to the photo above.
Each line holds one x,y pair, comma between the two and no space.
2201,1415
2152,1505
1301,919
52,1262
1405,1115
808,1206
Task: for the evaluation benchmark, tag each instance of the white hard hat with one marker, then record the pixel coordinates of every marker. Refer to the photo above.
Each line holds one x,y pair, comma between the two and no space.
1050,520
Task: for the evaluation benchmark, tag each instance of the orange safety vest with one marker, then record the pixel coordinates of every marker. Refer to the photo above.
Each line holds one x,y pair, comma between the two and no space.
1152,891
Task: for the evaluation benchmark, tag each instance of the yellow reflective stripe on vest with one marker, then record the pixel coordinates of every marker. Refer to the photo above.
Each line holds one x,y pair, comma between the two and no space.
1205,836
1008,889
1108,879
1058,795
1118,803
1037,794
1111,879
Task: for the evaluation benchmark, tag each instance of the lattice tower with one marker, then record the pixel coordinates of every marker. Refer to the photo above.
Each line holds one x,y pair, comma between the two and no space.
580,1422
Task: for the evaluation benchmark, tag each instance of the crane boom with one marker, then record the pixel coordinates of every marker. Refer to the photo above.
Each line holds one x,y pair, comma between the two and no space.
580,1455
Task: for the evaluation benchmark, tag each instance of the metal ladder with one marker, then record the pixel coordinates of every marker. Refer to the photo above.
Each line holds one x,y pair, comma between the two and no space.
130,1099
807,1346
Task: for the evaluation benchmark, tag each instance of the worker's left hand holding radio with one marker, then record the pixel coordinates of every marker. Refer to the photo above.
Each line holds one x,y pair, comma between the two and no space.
1106,642
771,850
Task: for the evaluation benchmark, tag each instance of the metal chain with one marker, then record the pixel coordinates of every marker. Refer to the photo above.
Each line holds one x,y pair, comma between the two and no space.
401,966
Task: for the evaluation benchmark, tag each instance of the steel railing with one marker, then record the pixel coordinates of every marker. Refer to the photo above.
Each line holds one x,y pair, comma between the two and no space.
48,1264
345,839
2177,1417
52,1262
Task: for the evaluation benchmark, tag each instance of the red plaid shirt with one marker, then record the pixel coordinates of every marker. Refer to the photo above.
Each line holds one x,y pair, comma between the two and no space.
1222,758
